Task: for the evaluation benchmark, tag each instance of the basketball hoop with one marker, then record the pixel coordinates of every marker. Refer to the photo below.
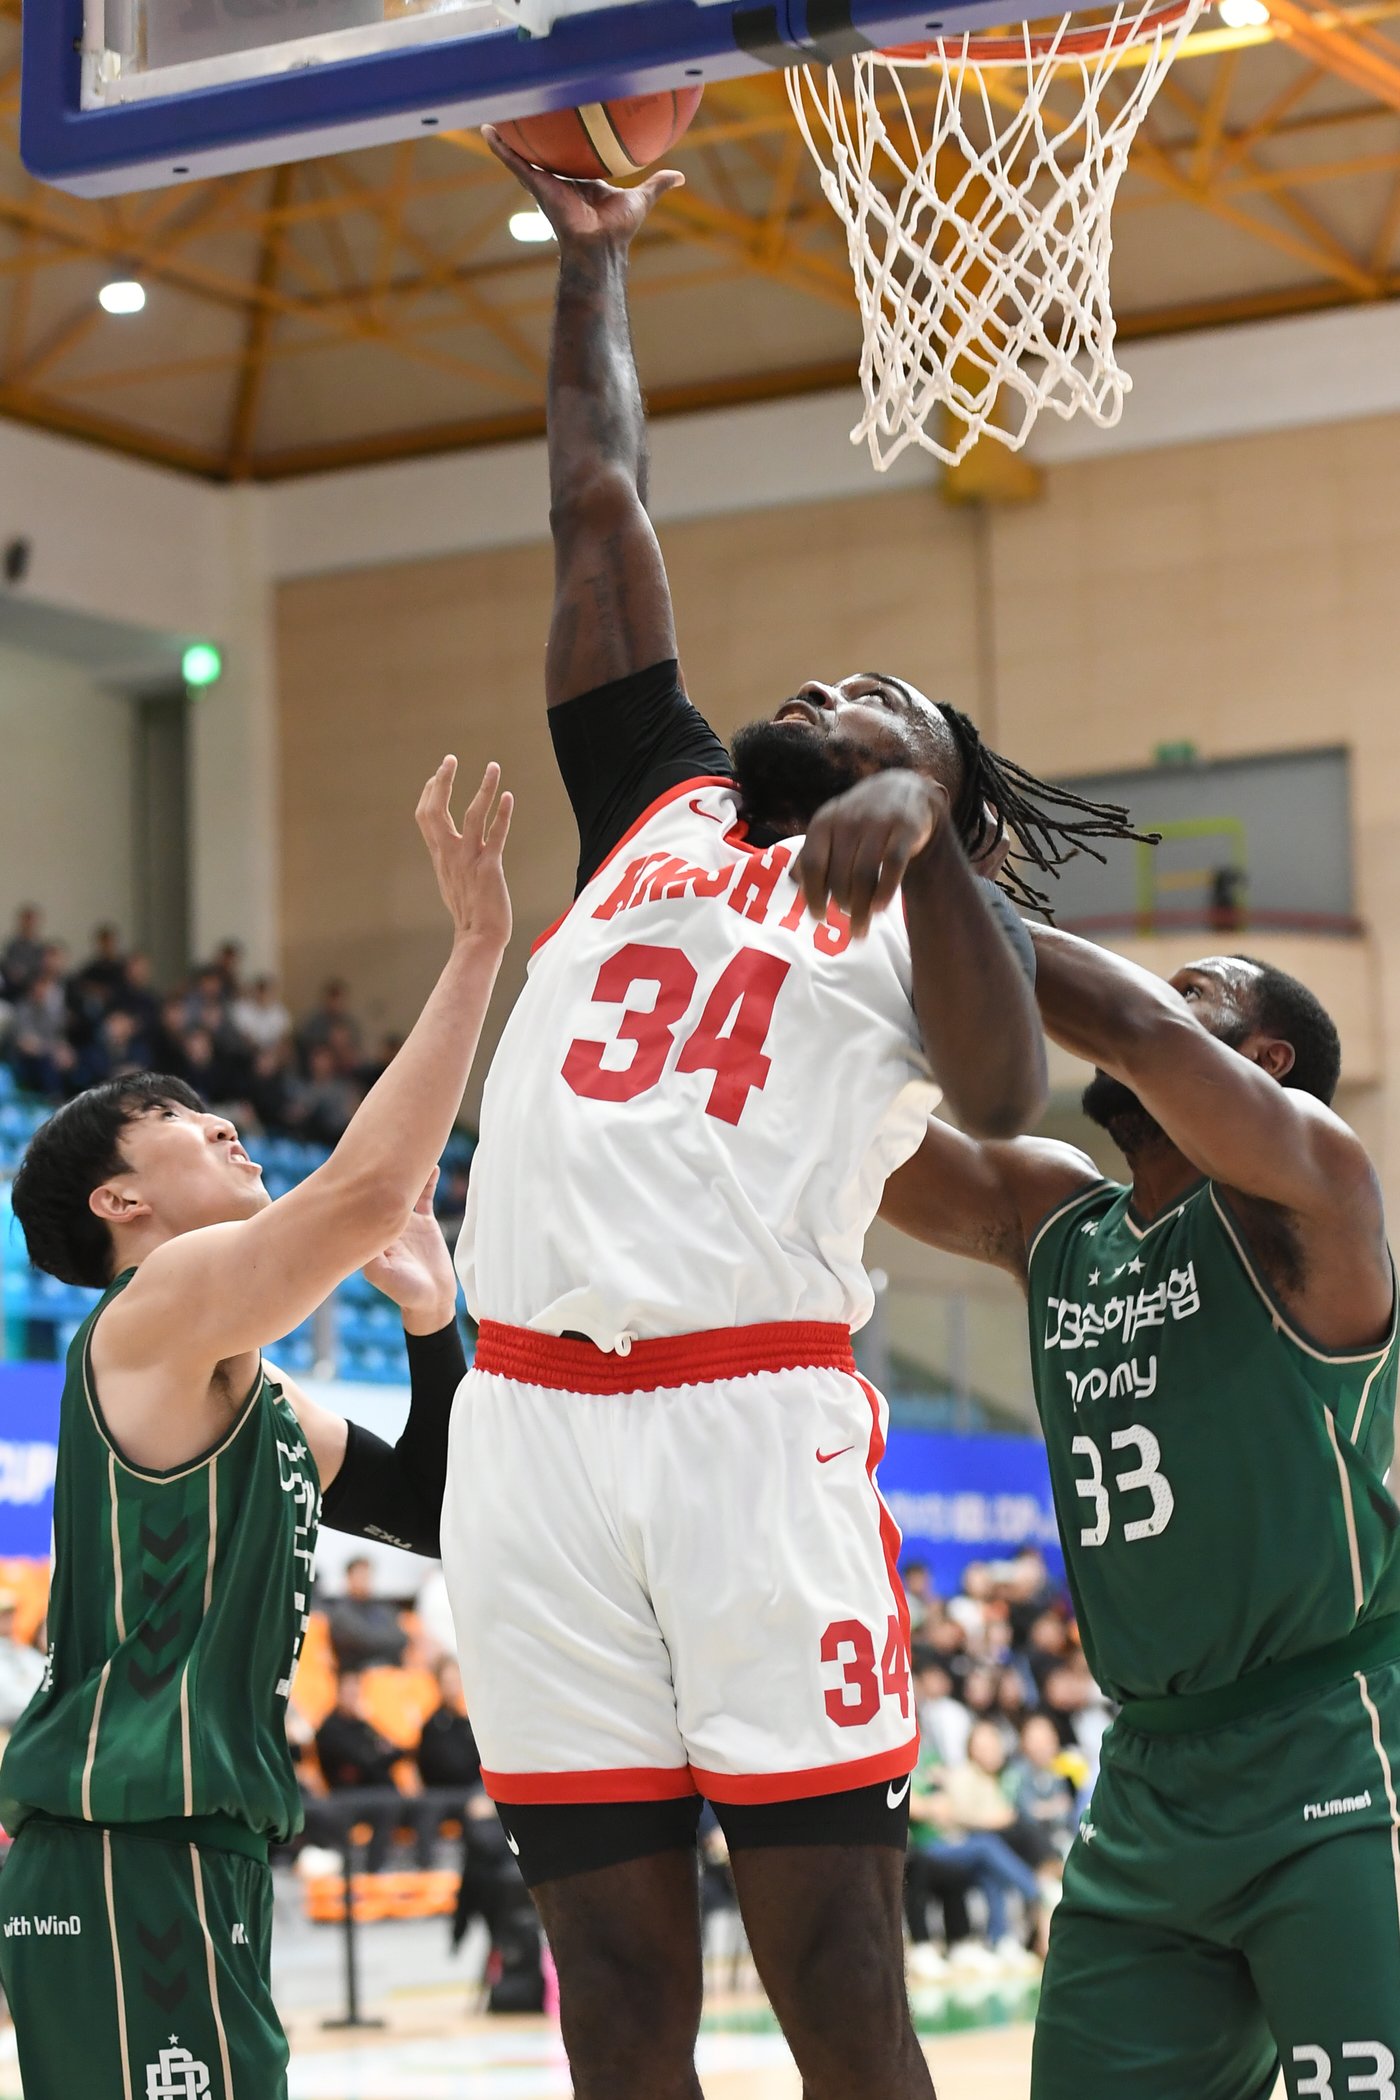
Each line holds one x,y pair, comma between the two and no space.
975,179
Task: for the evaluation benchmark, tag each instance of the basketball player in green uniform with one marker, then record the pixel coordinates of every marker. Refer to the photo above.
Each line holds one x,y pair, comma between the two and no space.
151,1770
1214,1355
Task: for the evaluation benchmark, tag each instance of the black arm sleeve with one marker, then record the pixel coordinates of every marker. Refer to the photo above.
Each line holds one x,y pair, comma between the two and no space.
623,745
1013,926
395,1493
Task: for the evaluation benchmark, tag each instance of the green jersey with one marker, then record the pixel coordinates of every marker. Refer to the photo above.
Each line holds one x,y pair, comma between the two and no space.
1220,1481
177,1613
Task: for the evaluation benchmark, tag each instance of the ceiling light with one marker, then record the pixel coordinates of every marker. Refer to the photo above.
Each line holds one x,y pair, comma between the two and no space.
125,296
531,227
1243,14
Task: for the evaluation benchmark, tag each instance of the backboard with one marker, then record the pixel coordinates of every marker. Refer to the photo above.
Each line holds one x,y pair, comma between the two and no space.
134,94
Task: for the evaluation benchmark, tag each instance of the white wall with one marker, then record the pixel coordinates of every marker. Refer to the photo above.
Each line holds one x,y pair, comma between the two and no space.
181,558
65,797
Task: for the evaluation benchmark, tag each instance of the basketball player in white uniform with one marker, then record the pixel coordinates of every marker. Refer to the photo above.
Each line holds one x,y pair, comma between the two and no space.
672,1573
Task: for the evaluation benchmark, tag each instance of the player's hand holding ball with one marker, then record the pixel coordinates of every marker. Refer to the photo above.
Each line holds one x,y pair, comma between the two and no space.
468,863
860,845
585,212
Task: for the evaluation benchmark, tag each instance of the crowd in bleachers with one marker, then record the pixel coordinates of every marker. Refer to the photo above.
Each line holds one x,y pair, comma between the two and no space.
66,1026
1010,1723
291,1087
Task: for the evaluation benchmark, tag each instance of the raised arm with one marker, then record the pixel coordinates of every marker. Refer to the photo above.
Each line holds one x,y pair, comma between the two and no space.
612,604
218,1293
1230,1117
972,990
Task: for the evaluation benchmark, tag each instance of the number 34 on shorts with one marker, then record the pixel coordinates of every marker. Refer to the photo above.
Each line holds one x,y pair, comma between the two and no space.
1366,2067
858,1696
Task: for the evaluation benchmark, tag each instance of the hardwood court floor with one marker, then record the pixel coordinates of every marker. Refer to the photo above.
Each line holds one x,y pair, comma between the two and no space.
522,2060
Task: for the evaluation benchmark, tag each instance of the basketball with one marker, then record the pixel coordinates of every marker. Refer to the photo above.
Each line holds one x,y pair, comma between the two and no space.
605,140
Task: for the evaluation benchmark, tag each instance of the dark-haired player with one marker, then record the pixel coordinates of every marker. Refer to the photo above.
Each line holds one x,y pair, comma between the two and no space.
671,1570
148,1775
1214,1353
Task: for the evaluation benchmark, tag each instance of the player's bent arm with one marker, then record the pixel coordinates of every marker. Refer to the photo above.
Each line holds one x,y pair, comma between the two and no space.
392,1492
372,1489
972,994
1229,1116
983,1200
976,1008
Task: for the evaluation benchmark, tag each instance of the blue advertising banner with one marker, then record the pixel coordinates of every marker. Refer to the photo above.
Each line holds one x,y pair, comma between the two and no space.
962,1498
29,1397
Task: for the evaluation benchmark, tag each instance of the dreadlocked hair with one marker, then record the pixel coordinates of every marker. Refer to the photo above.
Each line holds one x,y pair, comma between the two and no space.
1050,824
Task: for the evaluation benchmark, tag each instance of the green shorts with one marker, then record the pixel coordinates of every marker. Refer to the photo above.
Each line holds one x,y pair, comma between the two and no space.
138,1968
1232,1905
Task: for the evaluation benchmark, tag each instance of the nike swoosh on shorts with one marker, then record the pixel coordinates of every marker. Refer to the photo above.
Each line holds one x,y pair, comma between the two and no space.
511,1842
896,1799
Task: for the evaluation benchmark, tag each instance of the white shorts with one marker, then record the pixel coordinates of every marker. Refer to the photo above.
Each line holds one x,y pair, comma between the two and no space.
672,1572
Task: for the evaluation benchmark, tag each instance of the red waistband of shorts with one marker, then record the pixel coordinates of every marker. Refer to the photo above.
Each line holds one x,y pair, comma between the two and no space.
570,1366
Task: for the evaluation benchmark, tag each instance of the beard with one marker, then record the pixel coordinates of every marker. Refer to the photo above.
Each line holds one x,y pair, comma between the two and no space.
785,771
1116,1109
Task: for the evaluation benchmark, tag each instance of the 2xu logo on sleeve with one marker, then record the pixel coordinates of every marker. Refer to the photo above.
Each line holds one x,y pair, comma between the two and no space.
1366,2067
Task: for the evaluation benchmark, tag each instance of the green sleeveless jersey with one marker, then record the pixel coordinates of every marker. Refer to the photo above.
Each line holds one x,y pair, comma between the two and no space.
1219,1480
177,1613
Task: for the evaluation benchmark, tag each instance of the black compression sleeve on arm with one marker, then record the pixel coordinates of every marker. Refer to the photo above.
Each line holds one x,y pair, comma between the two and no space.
622,746
1013,926
395,1492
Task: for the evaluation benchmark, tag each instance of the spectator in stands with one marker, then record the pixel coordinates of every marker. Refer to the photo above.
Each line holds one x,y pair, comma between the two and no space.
113,1052
168,1044
332,1013
40,1051
269,1087
944,1722
23,952
228,961
322,1104
214,1075
1039,1789
1029,1592
21,1666
1047,1646
206,1004
978,1801
358,1764
102,976
943,1851
918,1588
260,1017
448,1759
364,1629
1077,1707
136,996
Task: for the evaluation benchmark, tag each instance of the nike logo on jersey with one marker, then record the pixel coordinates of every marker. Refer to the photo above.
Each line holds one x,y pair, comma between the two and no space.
695,804
511,1842
824,1458
896,1800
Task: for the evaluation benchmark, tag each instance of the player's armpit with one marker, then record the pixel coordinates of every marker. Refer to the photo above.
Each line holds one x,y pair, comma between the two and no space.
982,1200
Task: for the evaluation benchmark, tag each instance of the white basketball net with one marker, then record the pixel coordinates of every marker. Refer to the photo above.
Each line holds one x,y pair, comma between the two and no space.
976,180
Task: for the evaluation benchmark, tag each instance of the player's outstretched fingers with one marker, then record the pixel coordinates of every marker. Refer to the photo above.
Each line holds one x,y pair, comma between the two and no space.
434,804
813,867
478,814
500,825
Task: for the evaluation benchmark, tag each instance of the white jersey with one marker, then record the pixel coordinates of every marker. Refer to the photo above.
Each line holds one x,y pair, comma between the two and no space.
698,1099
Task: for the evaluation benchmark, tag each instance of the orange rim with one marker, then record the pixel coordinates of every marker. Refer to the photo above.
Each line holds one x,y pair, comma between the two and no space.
1074,43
